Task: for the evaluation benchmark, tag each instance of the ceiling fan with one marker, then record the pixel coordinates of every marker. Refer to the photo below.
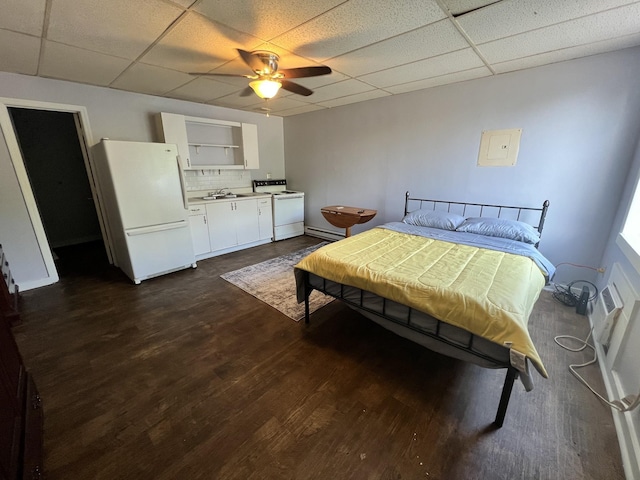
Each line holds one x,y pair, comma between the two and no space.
267,79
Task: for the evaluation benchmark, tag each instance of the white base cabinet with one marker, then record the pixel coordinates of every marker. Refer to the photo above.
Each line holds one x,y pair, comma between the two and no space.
232,223
245,215
199,229
226,225
222,231
265,218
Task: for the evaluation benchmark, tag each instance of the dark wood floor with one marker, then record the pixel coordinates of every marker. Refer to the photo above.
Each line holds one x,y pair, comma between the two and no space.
188,377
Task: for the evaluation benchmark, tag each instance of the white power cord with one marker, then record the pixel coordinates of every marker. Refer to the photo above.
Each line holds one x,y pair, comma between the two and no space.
626,404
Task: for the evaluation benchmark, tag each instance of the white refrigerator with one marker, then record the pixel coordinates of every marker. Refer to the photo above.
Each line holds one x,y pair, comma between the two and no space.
143,191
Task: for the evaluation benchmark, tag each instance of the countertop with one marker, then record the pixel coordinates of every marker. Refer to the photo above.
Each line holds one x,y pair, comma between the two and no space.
239,196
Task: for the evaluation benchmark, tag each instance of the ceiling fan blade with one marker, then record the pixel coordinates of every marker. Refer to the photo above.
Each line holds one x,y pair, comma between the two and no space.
250,59
203,74
302,72
295,88
246,92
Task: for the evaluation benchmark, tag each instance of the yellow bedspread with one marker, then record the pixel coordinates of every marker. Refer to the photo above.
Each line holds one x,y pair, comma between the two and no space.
486,292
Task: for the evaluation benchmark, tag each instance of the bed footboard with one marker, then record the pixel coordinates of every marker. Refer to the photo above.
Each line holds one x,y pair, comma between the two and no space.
466,351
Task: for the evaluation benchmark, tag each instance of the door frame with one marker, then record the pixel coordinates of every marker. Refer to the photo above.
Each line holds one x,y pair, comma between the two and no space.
85,140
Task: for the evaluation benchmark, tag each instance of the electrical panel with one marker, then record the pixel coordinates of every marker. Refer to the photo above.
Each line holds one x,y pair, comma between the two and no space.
499,148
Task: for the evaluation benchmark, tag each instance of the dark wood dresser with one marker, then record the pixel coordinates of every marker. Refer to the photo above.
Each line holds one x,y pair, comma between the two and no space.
21,416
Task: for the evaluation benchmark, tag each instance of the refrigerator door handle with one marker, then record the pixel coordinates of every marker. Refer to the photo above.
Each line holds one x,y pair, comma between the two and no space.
182,185
156,228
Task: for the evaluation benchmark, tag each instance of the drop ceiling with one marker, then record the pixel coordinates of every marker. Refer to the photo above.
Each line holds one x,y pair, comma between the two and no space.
376,48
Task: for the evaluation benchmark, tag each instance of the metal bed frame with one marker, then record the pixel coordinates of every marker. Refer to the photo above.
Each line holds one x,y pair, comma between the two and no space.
481,208
406,322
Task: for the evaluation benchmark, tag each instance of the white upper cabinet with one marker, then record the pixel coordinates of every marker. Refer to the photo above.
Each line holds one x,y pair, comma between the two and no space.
173,130
205,143
250,146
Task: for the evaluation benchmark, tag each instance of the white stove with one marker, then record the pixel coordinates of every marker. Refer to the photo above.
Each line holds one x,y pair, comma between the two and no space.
288,208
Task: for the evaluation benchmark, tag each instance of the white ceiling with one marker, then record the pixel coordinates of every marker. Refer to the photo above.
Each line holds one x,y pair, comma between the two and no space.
375,47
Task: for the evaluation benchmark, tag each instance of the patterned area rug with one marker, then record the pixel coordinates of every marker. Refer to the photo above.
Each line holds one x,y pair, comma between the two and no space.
272,281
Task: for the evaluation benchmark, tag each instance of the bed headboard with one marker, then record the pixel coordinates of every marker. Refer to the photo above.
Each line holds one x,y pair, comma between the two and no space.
533,216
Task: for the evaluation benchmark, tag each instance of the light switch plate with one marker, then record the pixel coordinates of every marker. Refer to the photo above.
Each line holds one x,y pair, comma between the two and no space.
499,148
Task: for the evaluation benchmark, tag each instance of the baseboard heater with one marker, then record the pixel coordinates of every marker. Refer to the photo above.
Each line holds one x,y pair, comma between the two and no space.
323,233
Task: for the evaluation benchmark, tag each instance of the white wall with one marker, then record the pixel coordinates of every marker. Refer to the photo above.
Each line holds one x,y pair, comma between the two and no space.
116,115
580,122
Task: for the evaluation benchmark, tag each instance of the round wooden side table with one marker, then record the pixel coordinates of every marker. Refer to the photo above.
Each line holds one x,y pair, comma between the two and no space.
346,217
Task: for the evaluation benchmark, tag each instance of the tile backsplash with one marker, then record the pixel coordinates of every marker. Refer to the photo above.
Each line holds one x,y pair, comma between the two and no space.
209,180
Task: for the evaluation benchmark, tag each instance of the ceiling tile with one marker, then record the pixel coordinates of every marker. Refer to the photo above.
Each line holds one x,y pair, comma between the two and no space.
594,28
508,18
317,82
299,110
431,67
233,67
78,65
280,103
184,3
357,23
196,44
234,100
435,39
568,54
149,79
24,16
264,19
458,7
202,90
112,27
441,80
340,89
359,97
19,52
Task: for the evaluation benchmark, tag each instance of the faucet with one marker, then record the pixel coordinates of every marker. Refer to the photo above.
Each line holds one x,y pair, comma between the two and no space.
220,191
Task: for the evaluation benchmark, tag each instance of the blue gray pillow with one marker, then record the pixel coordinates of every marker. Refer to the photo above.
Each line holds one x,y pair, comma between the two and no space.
500,227
434,219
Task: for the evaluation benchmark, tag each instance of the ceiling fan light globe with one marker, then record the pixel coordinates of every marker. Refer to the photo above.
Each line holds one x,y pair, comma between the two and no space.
265,88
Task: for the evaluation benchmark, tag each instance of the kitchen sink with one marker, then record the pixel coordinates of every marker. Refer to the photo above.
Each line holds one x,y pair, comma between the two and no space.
217,196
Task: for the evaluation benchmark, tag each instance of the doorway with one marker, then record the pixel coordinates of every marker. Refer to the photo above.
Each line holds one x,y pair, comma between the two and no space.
54,161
